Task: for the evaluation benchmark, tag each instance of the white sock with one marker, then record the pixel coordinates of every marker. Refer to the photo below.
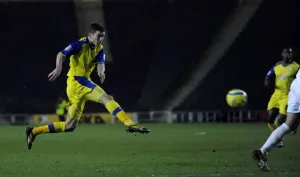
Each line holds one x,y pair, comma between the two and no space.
276,136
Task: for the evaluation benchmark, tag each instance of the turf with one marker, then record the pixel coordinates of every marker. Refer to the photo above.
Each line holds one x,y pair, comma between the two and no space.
185,150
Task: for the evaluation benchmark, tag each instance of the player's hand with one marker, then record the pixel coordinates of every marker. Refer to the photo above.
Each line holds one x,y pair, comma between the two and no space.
54,74
102,77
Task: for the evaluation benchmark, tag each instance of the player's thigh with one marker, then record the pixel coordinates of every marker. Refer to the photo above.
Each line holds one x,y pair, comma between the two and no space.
76,108
273,102
283,105
95,95
75,92
71,91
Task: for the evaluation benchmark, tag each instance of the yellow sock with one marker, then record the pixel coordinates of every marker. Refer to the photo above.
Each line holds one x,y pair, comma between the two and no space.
114,108
272,127
51,128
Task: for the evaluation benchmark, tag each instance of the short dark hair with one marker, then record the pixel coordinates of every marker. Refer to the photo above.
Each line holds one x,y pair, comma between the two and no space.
96,27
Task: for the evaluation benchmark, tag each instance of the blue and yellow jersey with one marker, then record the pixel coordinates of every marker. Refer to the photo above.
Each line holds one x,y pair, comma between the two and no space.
83,58
284,76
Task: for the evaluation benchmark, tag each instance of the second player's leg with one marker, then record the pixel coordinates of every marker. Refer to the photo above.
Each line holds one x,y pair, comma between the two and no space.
291,124
272,114
280,119
260,156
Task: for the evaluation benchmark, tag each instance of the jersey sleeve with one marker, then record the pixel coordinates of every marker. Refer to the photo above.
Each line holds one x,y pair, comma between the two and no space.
100,58
71,49
271,73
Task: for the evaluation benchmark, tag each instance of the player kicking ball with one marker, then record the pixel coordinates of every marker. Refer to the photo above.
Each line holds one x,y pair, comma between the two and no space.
290,125
84,55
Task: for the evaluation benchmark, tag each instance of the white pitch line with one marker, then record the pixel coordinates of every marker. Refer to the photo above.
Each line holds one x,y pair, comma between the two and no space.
200,133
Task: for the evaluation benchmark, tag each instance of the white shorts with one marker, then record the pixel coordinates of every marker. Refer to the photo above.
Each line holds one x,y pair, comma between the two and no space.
294,98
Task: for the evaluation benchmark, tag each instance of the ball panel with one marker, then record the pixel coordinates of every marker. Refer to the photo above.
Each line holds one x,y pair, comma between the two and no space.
236,98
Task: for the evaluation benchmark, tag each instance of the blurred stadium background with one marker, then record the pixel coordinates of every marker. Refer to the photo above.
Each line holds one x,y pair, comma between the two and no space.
163,55
168,61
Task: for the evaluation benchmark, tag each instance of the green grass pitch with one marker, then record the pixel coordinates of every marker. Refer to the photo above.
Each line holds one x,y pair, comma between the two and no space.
176,150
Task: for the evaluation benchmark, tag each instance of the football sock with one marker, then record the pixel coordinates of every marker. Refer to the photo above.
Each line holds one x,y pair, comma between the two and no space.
272,126
276,136
51,128
114,108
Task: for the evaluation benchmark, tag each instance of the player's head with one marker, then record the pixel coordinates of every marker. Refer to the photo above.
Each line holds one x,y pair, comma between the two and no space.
287,54
96,34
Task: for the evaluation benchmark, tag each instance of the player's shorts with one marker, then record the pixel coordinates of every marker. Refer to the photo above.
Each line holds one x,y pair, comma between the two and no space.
294,98
79,90
278,101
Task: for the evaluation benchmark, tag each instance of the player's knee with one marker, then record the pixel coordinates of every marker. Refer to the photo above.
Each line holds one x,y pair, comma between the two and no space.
292,122
70,128
281,118
105,98
71,125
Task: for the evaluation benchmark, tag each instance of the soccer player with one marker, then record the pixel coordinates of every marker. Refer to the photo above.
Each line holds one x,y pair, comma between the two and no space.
83,55
283,73
60,108
291,124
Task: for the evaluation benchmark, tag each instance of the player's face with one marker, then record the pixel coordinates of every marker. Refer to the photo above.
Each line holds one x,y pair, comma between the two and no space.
287,54
97,37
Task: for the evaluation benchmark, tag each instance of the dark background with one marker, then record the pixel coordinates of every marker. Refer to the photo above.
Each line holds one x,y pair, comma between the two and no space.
155,45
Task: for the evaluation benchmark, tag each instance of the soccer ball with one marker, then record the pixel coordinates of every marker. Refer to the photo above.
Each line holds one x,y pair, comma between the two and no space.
236,98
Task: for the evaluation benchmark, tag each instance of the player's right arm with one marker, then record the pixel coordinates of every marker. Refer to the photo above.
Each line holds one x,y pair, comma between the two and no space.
71,49
270,77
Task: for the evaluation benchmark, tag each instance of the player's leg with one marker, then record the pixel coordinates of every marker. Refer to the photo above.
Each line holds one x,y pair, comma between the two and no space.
74,114
100,96
31,132
291,123
294,131
260,156
273,110
272,114
280,119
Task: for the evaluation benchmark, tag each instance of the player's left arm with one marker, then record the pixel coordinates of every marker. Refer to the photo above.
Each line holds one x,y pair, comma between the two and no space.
100,61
